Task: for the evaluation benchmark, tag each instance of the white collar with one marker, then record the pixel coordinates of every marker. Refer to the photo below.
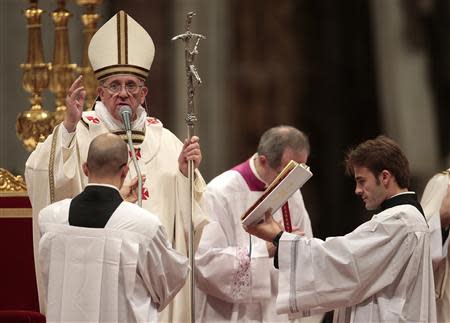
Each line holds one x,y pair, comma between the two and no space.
115,125
407,192
253,168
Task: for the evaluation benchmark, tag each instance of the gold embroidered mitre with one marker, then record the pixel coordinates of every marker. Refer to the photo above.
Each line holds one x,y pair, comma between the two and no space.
121,46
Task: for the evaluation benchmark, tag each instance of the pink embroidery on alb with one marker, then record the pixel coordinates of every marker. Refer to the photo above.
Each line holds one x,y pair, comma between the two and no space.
145,193
137,152
241,279
93,119
151,120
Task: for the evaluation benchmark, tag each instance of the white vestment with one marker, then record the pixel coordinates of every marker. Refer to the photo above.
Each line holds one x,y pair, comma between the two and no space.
236,287
432,197
125,272
53,172
380,272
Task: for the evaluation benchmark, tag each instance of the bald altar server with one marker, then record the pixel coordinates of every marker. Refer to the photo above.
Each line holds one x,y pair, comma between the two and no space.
234,270
104,259
436,205
121,53
380,272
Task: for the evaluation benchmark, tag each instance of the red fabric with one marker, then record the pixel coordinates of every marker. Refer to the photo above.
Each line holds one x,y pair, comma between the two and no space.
21,317
22,202
286,217
18,289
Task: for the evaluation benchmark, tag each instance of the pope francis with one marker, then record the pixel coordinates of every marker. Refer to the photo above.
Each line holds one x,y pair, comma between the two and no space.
121,53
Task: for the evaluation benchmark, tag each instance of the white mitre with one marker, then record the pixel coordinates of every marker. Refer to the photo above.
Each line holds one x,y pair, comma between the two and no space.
121,46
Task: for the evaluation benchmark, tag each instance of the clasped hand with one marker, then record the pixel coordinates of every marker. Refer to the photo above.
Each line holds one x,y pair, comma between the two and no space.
129,192
190,151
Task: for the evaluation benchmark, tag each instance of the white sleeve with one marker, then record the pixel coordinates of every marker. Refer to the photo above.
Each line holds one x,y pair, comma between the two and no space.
67,166
431,201
182,183
163,269
67,137
319,276
224,268
66,170
439,248
183,199
300,216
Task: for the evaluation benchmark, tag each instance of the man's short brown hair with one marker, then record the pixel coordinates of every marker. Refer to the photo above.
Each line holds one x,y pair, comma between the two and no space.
381,153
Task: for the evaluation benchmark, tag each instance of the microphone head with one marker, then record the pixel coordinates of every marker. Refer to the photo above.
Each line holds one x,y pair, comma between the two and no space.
125,109
125,112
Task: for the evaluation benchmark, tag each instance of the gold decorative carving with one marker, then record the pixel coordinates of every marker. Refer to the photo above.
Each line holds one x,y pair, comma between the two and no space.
61,71
89,20
34,124
11,183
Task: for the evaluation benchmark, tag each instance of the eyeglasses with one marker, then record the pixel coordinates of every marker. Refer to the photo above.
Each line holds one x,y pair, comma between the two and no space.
130,87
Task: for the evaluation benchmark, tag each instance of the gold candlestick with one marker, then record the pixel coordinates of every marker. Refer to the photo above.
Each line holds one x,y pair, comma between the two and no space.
61,71
89,19
34,124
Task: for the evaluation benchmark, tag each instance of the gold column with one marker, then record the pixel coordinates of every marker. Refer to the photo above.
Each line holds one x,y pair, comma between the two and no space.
61,71
34,124
89,19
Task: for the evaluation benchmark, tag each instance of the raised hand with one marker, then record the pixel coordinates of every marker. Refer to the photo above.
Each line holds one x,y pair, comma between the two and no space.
74,102
191,151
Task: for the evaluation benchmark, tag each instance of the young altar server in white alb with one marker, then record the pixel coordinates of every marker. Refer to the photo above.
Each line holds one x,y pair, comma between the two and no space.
104,259
380,272
436,205
236,277
121,53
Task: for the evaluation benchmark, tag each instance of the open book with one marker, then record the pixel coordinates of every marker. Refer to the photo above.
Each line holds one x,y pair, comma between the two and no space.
291,178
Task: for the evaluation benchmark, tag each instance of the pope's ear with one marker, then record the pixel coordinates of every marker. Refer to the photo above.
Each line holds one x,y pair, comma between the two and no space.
100,91
144,94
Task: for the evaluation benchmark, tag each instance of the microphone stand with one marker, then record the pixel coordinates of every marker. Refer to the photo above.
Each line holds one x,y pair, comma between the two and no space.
136,166
192,79
125,113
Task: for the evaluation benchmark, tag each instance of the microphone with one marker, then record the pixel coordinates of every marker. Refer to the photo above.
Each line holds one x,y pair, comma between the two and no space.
125,112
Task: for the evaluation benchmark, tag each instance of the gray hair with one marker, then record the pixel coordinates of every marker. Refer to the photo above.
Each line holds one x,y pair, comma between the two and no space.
274,142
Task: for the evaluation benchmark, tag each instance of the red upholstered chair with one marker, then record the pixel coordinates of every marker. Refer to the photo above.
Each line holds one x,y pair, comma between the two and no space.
18,291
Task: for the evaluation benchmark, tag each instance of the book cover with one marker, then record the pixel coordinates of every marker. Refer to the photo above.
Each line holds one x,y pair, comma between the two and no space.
291,178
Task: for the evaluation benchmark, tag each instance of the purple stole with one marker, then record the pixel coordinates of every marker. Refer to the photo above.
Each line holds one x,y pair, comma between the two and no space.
253,183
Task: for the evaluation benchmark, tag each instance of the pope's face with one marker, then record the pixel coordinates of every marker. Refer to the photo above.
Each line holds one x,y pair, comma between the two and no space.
119,90
369,188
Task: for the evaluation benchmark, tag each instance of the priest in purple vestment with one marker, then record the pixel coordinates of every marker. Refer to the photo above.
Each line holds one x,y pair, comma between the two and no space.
235,272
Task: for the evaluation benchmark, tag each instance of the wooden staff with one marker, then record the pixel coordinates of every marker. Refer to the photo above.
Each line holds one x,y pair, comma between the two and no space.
191,42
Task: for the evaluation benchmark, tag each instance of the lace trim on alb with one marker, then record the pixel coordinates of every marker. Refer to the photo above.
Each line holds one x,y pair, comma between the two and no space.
242,278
